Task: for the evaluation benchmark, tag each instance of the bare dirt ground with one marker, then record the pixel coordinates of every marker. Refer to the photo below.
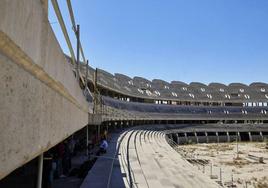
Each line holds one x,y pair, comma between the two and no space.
221,162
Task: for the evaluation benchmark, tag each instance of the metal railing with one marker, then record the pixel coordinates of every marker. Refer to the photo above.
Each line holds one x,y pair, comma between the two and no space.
63,28
174,145
75,60
75,28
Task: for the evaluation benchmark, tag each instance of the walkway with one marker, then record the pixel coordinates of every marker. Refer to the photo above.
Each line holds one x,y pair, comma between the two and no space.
102,171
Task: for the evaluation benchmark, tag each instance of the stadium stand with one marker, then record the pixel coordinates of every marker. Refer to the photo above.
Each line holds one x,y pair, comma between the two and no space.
58,99
158,91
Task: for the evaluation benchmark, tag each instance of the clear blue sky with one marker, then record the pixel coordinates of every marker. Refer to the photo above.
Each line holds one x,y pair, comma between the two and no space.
187,40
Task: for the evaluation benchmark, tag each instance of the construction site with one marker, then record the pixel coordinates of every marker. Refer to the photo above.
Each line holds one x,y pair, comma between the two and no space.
236,164
65,123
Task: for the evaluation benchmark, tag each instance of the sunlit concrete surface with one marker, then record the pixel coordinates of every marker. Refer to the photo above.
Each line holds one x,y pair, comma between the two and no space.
145,159
40,101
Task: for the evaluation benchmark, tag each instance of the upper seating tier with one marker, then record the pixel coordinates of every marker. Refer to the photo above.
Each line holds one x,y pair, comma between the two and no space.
179,91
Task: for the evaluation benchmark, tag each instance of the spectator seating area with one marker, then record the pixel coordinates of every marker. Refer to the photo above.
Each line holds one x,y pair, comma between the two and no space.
139,157
146,108
254,94
147,160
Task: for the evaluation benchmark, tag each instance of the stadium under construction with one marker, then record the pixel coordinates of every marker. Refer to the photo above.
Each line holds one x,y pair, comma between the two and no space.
51,101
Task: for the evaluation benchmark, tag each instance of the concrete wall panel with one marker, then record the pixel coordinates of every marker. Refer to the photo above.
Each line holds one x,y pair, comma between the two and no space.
202,139
24,23
33,117
41,102
223,138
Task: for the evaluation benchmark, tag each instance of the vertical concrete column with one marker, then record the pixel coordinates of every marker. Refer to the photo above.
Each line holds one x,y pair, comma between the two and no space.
40,171
250,137
186,138
207,136
178,138
87,141
228,136
239,137
218,139
195,134
261,136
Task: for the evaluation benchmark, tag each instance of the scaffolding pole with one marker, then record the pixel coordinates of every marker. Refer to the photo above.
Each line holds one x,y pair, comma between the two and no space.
78,51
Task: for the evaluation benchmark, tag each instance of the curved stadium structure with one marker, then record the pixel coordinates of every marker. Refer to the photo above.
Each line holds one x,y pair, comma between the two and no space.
174,113
54,110
160,100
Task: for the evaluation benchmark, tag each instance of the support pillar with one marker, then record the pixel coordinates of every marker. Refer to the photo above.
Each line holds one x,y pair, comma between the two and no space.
196,137
239,138
261,136
186,138
207,136
87,141
228,136
40,171
218,139
250,137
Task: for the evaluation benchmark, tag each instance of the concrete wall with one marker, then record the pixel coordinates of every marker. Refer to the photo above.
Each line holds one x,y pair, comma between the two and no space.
40,101
202,139
223,138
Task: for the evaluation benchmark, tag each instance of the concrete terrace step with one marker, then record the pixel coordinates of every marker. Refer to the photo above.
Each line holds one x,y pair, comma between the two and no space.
160,165
145,159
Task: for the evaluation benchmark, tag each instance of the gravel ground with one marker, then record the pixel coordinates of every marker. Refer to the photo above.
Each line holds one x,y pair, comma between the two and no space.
239,170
